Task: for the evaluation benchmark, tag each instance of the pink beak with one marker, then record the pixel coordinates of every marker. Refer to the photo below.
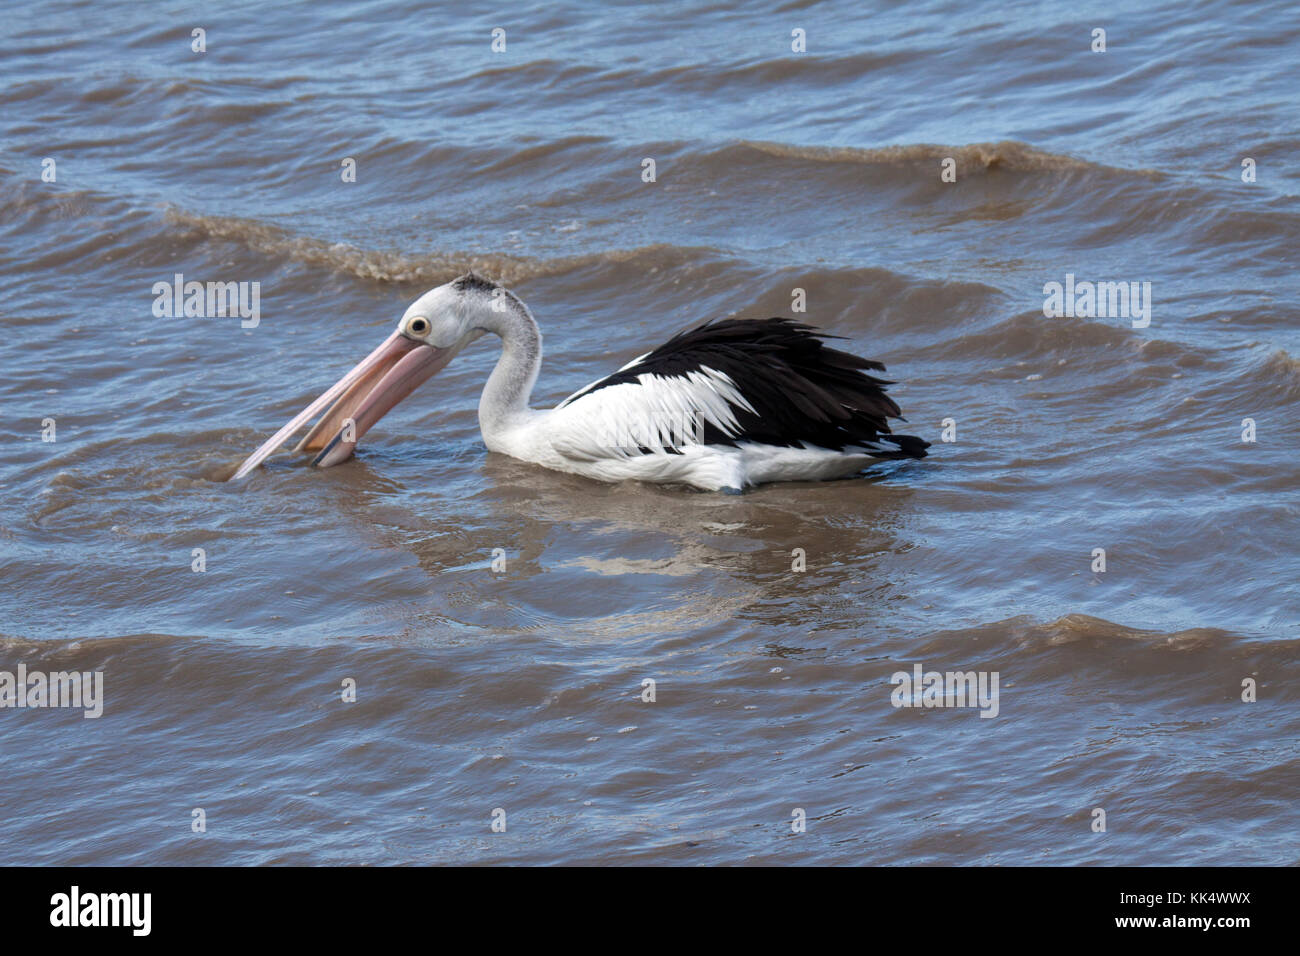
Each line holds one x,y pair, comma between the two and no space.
356,401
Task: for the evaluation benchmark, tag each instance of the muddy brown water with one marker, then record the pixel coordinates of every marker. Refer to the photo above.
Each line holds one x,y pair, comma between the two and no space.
770,623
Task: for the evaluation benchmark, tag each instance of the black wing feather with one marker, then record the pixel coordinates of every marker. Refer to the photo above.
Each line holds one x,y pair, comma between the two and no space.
802,391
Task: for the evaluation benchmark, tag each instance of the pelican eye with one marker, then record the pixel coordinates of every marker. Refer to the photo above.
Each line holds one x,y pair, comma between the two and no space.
418,326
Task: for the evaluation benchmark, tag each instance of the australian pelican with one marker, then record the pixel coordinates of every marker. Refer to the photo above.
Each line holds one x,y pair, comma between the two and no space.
724,406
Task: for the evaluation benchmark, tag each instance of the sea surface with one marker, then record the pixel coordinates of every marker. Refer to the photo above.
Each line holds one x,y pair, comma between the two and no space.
1098,527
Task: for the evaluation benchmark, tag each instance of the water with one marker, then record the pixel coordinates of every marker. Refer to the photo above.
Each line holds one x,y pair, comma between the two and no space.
522,691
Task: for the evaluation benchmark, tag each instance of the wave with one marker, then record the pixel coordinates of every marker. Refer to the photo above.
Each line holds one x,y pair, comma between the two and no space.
1056,647
430,268
924,295
1280,371
1005,155
1073,628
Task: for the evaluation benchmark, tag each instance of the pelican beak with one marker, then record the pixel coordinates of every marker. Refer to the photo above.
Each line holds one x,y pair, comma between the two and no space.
356,401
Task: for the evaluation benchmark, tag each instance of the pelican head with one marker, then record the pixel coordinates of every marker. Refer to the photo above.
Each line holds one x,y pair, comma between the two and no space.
450,316
434,328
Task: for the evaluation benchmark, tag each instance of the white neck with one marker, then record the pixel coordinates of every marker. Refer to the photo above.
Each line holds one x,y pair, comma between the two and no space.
504,403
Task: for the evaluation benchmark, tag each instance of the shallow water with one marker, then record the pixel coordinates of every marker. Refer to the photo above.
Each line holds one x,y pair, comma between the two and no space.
522,690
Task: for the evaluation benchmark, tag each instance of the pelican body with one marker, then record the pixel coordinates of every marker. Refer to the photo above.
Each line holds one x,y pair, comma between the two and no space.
721,407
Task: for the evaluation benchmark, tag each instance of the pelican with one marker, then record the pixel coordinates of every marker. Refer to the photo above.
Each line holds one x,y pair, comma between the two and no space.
721,407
